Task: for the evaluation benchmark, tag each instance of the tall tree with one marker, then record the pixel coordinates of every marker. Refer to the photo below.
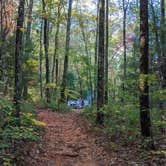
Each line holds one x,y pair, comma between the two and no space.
85,39
55,58
125,7
18,57
66,60
40,59
27,49
96,53
106,53
163,45
100,79
46,46
144,67
1,41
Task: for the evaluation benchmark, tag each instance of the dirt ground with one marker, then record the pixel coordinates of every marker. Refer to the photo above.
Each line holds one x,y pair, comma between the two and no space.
69,141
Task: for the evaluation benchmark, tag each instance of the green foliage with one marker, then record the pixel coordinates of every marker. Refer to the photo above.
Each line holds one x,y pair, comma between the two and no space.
54,105
118,119
10,132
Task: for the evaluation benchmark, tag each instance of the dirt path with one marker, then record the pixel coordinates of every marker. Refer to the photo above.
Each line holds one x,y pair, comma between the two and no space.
67,142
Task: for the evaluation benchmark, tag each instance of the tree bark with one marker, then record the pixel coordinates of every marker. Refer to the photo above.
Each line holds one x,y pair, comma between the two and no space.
66,60
2,44
55,58
124,42
46,47
18,57
144,67
27,49
40,60
163,45
96,53
100,80
106,54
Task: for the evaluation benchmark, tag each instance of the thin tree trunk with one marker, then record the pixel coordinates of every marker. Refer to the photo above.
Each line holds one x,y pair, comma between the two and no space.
1,15
27,49
66,60
155,29
40,60
46,46
144,67
100,81
57,70
18,57
124,43
79,80
163,45
163,60
2,44
89,57
55,58
96,53
106,54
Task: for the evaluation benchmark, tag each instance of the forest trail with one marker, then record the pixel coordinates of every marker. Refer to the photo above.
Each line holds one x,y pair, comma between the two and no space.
67,142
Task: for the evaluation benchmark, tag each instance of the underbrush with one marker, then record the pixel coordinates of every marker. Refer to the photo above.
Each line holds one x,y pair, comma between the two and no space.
123,120
117,120
54,106
11,134
122,127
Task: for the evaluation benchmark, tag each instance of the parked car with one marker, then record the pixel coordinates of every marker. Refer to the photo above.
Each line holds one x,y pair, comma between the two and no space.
76,104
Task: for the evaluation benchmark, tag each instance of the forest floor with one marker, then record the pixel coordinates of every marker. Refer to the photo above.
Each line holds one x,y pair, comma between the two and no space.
69,141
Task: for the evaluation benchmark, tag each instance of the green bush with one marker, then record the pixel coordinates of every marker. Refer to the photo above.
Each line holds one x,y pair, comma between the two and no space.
117,118
54,106
10,132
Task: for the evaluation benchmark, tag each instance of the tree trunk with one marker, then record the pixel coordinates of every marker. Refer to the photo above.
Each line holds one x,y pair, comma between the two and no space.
144,67
66,60
55,58
163,45
46,46
96,54
18,57
2,42
124,43
79,80
89,76
163,60
106,54
40,60
100,81
27,49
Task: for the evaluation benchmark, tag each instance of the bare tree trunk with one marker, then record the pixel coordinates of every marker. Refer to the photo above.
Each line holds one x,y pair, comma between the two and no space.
124,42
46,46
144,67
1,34
163,45
106,54
18,57
100,81
28,49
163,60
55,58
79,80
155,29
66,60
96,53
2,68
40,60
